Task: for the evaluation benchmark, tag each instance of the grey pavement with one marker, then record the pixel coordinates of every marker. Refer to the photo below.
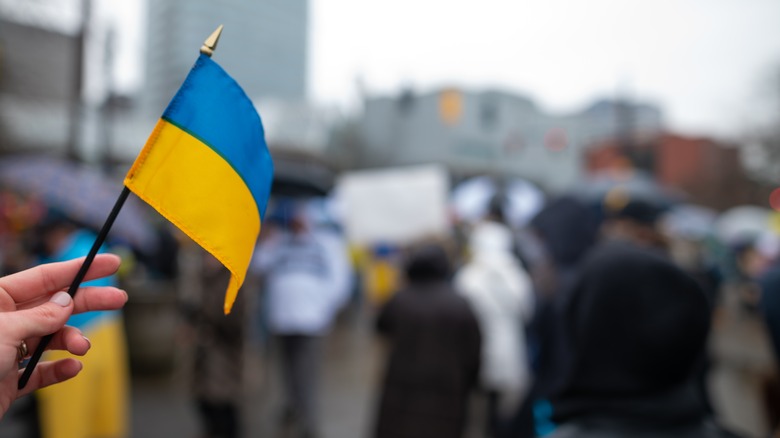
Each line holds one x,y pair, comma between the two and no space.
353,364
162,408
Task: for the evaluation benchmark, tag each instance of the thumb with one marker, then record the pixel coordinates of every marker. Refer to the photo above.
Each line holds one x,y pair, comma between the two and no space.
41,320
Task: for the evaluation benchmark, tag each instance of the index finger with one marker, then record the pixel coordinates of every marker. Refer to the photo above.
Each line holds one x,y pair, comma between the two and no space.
48,278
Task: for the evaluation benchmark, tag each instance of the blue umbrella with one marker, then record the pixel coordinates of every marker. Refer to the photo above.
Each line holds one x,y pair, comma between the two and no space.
82,193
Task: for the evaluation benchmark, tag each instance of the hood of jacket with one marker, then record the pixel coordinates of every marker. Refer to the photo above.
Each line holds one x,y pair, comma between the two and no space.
636,326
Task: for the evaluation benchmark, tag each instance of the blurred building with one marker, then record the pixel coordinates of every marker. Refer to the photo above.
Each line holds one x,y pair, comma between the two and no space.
264,45
37,76
296,126
708,172
54,53
494,132
56,79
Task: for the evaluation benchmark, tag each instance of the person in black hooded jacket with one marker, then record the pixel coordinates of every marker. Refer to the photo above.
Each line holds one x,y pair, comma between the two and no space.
636,326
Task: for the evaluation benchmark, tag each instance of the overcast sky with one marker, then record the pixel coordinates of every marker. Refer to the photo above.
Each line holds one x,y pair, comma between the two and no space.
706,62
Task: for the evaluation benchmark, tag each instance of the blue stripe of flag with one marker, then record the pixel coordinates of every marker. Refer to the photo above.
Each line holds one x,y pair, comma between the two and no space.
212,107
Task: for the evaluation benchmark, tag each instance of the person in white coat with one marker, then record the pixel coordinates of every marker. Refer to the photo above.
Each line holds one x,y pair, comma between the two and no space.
307,279
500,293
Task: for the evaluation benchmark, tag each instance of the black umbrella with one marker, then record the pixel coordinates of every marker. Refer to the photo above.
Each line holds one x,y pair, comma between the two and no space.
301,179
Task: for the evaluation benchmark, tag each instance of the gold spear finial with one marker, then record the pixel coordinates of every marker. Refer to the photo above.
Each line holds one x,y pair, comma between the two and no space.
210,44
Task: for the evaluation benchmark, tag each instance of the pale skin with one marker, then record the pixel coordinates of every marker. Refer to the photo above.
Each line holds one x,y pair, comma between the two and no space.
33,303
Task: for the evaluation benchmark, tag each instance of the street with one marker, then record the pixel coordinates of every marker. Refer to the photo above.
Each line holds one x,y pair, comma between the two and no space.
352,367
161,407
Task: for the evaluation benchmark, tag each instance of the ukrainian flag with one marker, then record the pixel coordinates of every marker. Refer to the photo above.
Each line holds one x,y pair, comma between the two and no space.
207,169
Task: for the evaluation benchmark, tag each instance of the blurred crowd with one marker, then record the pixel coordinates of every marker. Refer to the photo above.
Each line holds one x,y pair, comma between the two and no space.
579,316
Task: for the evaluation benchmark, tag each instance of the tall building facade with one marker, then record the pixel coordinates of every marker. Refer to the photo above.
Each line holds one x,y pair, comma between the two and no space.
37,76
264,46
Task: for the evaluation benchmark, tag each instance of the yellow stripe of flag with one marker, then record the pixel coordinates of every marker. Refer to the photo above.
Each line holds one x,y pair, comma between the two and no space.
206,168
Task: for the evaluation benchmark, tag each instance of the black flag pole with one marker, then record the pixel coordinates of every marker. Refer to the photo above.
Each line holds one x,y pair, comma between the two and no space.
74,286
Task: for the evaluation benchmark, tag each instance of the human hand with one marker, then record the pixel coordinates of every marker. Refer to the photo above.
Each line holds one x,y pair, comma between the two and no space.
33,303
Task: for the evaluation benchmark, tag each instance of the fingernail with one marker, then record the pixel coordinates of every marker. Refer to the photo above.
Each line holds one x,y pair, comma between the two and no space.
61,298
89,344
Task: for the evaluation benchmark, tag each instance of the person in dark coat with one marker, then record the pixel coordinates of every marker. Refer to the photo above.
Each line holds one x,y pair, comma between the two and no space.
434,356
769,305
217,345
637,327
565,229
